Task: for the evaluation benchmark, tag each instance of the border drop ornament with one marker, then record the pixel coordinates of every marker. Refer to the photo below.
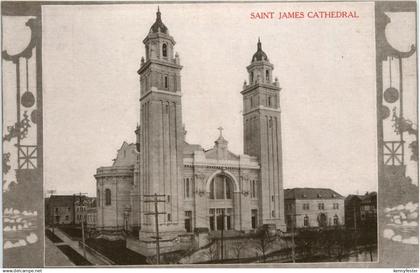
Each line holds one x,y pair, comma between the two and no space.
391,95
28,99
34,116
385,112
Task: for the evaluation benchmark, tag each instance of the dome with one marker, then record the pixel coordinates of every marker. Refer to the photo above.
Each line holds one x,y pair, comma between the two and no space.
260,54
158,25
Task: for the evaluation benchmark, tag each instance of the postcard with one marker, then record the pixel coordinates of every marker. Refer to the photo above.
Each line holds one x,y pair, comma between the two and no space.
198,134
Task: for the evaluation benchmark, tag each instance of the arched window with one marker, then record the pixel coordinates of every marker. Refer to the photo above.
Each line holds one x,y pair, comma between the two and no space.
267,75
306,221
221,188
252,78
107,197
164,50
336,220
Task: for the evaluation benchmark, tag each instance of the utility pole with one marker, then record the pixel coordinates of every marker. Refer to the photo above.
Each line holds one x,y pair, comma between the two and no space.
156,214
293,235
53,218
82,221
51,192
221,235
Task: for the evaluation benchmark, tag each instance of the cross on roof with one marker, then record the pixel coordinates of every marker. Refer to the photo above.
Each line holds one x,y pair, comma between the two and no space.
220,129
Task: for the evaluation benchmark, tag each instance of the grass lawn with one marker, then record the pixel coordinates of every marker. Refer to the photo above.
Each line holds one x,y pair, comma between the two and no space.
52,236
75,257
75,233
118,254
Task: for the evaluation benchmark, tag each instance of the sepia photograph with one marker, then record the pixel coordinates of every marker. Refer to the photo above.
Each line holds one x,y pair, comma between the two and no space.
193,134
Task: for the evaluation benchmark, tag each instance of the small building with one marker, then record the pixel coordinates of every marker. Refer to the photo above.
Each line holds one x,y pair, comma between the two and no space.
91,217
361,210
82,206
67,209
313,208
59,209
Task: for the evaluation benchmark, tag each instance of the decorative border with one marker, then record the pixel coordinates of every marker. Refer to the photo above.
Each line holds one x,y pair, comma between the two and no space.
30,172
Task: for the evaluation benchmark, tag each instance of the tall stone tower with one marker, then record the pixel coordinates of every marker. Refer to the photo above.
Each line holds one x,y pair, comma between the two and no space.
262,136
161,139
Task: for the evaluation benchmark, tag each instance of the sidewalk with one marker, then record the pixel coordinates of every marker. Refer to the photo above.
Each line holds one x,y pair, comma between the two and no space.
75,245
54,256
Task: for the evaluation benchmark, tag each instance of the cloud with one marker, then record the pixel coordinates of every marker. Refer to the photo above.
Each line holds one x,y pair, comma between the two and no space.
413,215
388,233
20,243
411,207
410,224
32,238
387,210
412,240
8,211
397,238
9,244
7,228
29,213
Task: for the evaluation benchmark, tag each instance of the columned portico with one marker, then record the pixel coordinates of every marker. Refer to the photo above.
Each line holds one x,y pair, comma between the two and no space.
222,187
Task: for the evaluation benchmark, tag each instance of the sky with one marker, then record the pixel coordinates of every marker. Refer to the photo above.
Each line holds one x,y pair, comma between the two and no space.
91,55
325,67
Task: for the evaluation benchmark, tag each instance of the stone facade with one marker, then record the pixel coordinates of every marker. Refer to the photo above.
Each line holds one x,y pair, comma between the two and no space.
81,208
262,135
91,218
202,190
114,186
60,209
313,208
67,209
203,171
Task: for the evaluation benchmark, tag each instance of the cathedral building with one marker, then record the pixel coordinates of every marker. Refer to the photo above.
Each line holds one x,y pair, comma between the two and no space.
199,191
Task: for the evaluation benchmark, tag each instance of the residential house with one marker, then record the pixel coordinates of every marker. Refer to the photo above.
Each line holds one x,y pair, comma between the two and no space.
313,208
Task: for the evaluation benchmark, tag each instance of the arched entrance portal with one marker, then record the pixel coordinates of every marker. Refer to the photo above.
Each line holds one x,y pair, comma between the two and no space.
221,190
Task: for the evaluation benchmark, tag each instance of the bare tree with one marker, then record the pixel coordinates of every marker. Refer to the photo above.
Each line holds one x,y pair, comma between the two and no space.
212,253
265,240
305,243
237,247
151,260
336,243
